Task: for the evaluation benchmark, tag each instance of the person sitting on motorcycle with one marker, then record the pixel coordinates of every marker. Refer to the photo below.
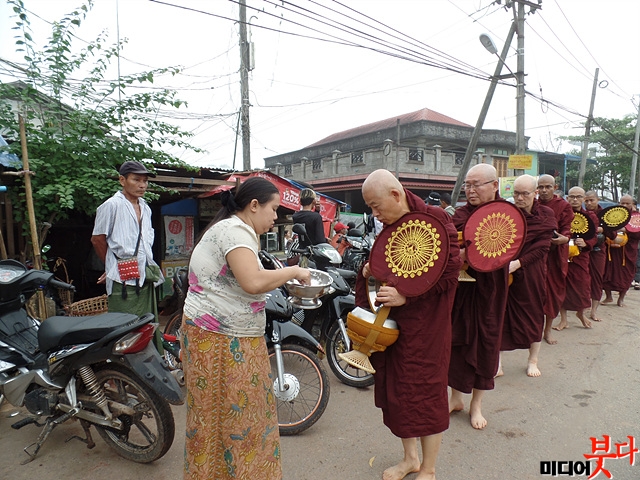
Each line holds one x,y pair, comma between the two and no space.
337,241
311,219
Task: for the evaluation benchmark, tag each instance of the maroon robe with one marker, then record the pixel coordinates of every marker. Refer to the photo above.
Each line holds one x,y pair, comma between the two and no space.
411,374
558,259
578,279
476,321
597,259
621,264
524,317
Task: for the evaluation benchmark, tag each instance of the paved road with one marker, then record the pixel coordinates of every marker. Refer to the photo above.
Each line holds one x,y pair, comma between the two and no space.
590,387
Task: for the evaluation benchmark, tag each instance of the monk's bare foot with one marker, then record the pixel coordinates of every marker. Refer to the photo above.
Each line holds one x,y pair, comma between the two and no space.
549,339
532,370
477,420
606,301
401,470
455,406
620,303
500,373
595,319
426,476
561,326
585,323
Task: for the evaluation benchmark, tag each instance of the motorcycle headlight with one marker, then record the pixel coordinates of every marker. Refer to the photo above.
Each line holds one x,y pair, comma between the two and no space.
355,243
330,252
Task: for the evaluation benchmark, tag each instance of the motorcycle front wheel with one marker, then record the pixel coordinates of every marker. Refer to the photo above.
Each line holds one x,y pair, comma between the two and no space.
347,374
148,434
306,391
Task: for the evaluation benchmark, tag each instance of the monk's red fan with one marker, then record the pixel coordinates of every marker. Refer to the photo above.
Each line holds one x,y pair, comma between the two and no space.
494,235
411,254
582,226
634,223
614,217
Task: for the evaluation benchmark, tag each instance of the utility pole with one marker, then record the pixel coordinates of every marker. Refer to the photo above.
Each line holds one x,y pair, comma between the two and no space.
587,132
634,161
520,140
483,114
244,87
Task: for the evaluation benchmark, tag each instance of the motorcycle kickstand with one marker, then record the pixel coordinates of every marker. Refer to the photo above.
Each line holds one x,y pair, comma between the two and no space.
88,438
49,426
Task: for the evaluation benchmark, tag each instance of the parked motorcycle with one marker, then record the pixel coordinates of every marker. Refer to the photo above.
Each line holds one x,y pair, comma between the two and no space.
301,384
327,323
356,254
103,370
173,329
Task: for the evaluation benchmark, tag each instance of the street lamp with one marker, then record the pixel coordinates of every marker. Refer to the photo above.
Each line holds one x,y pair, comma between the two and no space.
473,142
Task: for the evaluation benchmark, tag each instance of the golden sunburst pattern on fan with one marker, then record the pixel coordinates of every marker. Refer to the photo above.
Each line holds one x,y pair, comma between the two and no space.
413,248
579,224
616,216
495,234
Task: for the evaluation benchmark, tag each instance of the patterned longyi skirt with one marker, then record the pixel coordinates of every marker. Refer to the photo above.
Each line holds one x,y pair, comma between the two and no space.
232,424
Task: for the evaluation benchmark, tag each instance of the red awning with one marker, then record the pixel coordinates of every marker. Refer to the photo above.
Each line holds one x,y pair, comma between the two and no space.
289,194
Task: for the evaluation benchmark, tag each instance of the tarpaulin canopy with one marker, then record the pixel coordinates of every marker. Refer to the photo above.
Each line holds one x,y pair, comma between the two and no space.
289,193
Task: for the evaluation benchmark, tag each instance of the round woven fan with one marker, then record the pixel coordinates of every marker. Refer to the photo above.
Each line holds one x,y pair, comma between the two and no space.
614,217
634,223
582,226
411,254
494,235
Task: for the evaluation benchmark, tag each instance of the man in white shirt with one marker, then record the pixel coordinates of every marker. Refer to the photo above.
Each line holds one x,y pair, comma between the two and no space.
123,237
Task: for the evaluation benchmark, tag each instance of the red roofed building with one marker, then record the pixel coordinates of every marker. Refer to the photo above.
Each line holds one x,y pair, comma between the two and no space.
427,156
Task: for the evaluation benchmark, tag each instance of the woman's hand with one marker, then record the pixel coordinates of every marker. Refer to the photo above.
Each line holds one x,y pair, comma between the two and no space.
303,275
390,297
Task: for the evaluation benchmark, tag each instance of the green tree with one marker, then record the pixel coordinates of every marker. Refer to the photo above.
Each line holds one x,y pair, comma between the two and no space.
80,126
613,140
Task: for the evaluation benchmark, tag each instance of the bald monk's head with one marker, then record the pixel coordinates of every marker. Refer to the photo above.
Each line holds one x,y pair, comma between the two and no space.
386,197
546,187
575,198
481,184
524,192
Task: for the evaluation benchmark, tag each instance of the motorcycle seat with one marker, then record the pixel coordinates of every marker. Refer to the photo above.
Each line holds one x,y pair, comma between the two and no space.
63,331
347,274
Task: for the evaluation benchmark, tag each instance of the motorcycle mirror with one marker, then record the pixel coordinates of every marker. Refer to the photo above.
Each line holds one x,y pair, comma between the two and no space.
300,229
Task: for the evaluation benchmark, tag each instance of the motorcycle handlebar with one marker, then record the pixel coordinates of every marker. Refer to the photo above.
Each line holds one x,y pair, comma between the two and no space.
58,284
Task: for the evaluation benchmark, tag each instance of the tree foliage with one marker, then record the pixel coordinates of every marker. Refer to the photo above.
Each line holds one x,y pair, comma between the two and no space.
613,141
80,126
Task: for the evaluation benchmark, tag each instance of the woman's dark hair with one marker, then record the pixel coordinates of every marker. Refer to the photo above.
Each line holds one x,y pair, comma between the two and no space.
252,188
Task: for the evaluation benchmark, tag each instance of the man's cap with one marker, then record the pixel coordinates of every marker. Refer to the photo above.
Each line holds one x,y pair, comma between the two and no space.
433,199
134,167
339,226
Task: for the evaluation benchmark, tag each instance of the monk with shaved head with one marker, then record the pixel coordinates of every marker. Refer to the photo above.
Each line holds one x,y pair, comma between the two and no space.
478,311
621,260
411,374
597,257
558,258
578,296
524,318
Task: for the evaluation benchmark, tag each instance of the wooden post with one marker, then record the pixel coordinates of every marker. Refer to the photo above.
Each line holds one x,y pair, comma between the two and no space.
37,259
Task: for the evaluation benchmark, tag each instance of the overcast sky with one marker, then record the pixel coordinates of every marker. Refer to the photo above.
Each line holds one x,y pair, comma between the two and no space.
304,89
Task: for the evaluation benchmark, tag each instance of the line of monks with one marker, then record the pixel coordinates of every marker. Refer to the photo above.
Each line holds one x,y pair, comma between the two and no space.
452,335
